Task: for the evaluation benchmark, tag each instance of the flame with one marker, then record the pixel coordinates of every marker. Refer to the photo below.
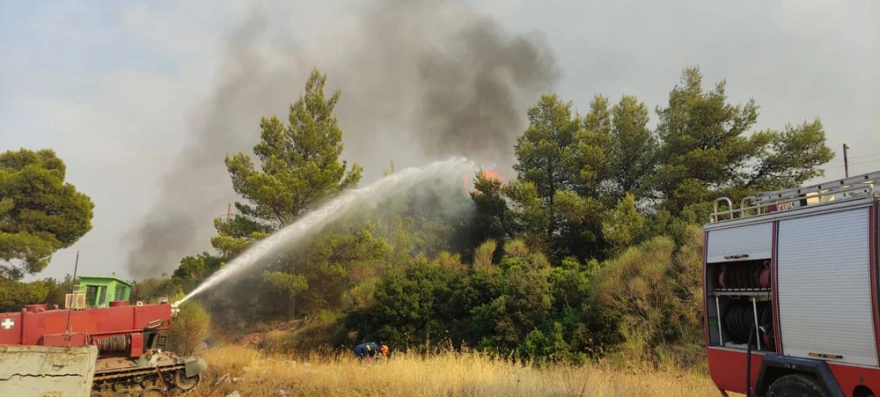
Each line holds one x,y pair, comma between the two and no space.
492,174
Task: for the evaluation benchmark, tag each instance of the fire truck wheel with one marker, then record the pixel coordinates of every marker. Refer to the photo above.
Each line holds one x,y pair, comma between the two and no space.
184,382
796,385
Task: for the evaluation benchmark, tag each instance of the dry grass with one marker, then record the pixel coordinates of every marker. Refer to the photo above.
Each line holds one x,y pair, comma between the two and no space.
255,374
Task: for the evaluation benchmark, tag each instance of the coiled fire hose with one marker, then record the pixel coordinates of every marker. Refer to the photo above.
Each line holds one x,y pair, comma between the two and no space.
738,319
738,276
113,343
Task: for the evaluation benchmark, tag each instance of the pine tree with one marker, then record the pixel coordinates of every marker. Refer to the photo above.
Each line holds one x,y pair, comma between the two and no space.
706,149
39,212
300,169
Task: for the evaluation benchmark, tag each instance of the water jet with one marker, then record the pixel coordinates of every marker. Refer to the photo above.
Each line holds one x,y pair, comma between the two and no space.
330,211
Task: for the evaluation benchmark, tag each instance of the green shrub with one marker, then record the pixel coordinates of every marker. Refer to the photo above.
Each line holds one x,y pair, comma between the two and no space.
14,295
653,292
189,329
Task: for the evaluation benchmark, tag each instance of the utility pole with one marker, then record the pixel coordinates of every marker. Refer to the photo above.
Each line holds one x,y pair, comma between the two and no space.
72,300
845,161
229,210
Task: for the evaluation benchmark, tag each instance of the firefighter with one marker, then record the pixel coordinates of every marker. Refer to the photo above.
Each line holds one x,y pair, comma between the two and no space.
366,351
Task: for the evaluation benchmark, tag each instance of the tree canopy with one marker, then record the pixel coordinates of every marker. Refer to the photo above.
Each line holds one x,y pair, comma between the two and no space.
39,212
300,168
300,162
572,169
706,148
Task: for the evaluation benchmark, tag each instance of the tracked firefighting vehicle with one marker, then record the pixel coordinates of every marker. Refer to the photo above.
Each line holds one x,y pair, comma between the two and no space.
130,340
791,291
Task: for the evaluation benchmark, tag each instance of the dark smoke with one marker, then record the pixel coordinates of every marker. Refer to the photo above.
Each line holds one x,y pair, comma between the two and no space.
469,103
421,80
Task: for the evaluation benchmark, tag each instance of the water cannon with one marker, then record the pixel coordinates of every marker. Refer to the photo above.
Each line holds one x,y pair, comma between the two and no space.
175,309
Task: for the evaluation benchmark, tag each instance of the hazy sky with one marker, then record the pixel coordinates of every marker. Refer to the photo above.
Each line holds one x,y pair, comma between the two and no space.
116,88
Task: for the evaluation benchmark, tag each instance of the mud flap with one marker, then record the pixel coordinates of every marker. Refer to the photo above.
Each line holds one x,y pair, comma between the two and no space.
194,366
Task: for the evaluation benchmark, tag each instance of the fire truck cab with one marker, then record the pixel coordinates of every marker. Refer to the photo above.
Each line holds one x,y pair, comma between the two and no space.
790,291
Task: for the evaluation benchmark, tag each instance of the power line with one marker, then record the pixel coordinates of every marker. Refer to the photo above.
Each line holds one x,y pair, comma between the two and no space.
852,163
861,156
865,155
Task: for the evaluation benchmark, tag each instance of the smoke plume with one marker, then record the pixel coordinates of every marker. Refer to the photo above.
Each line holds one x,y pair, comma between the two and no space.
421,80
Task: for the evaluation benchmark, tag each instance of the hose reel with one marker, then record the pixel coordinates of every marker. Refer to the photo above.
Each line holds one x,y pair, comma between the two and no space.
116,343
739,319
745,276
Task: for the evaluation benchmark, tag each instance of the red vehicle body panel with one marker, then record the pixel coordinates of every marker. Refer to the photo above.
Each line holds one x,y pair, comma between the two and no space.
727,370
48,328
10,329
850,377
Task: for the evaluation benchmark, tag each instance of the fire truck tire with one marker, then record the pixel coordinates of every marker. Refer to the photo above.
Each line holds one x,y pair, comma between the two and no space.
184,382
796,385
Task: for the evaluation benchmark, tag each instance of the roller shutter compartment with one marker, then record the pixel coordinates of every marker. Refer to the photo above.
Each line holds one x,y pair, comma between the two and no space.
824,288
756,241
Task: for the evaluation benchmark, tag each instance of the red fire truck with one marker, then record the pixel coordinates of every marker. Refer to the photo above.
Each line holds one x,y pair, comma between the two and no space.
130,341
790,291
